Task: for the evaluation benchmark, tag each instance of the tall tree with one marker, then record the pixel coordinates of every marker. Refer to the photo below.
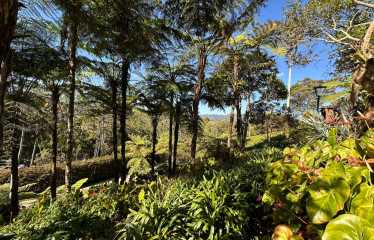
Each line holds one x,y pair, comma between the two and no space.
206,24
176,79
8,20
132,32
73,16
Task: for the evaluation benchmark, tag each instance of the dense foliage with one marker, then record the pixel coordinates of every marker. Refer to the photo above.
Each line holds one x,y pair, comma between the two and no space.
319,188
218,205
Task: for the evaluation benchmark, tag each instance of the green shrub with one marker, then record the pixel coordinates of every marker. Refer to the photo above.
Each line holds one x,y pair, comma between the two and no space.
219,206
88,214
315,184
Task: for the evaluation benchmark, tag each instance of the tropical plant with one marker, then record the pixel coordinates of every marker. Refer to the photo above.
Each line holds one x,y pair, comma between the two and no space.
315,184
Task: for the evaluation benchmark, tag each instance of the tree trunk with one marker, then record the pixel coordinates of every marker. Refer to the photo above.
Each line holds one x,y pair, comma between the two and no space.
237,99
231,123
176,135
113,85
238,120
246,120
14,182
154,141
73,41
55,100
196,100
124,85
33,153
8,20
20,146
171,116
288,113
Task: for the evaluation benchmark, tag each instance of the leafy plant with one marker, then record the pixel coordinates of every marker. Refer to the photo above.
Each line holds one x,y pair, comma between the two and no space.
313,185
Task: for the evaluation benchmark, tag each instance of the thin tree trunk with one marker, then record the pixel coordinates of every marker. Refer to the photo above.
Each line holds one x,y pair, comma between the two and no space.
14,182
33,153
176,135
196,100
154,141
246,121
116,164
8,21
231,123
289,86
20,145
124,85
237,100
171,118
55,100
73,41
288,113
238,120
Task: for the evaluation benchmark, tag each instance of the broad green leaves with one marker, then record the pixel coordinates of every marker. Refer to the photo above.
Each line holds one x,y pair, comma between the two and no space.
363,203
348,227
327,197
317,183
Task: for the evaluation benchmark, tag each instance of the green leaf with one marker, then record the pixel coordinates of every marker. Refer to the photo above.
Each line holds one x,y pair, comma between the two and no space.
141,195
348,227
78,185
332,137
363,203
327,197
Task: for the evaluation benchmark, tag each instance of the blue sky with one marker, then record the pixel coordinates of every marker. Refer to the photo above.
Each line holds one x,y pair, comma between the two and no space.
320,68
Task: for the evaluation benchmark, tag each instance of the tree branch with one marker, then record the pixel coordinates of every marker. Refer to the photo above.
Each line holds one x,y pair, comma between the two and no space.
369,5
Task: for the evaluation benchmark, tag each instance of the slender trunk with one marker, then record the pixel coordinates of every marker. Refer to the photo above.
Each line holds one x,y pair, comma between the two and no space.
246,120
33,153
289,86
196,100
154,141
171,116
14,182
113,86
8,20
237,100
20,145
231,123
267,129
55,100
238,120
176,135
73,41
288,113
124,84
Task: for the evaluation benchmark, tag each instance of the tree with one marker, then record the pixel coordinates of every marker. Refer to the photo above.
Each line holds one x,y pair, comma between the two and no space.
8,20
152,100
349,26
255,69
235,49
110,71
50,75
206,25
176,79
72,17
131,31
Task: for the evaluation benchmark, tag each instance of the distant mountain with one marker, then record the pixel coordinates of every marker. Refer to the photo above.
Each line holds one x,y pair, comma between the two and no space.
214,117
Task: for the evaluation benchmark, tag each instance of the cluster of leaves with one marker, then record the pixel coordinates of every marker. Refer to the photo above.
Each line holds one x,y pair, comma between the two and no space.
324,189
83,214
217,207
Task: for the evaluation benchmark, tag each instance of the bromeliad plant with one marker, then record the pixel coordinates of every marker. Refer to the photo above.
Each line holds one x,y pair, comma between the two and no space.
324,190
